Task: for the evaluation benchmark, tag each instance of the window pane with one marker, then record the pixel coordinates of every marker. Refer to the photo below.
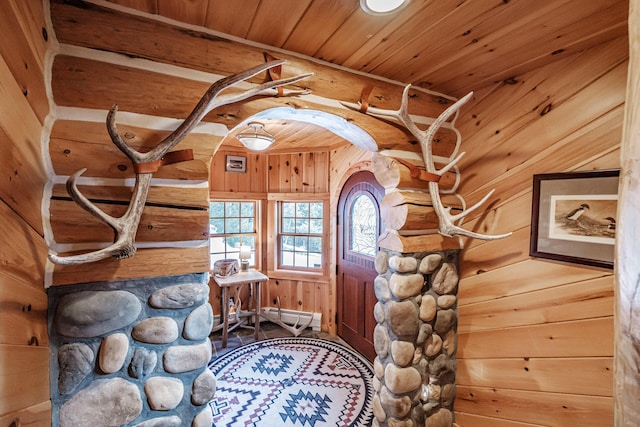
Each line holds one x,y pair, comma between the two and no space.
249,241
315,226
216,226
216,245
288,225
232,225
287,243
233,243
315,210
315,244
364,226
288,210
247,225
247,209
301,260
286,258
302,226
216,209
302,210
301,244
232,209
315,260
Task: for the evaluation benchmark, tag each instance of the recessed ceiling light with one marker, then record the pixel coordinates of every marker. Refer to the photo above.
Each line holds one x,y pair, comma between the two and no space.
382,7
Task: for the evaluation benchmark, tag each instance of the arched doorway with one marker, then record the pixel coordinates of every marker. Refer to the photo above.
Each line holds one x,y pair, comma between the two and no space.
359,225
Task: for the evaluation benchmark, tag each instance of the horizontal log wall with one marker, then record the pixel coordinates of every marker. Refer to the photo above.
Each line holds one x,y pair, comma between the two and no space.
536,337
24,343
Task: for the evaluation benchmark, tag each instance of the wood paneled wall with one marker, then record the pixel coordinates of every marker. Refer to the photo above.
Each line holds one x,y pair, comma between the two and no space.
24,349
314,175
536,337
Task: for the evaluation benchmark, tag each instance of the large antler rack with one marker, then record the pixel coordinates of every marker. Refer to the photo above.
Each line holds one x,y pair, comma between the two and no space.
446,221
145,164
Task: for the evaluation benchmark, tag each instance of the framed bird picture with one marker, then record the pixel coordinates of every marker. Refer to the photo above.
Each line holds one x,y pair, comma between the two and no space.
573,217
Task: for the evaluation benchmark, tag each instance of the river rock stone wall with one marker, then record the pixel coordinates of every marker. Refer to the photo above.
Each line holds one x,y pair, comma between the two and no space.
415,339
132,353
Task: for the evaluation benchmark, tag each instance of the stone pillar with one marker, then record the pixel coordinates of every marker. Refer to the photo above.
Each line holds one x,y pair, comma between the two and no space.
132,352
415,338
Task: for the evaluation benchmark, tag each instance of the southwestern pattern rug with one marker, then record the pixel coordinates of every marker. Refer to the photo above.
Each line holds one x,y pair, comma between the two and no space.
292,382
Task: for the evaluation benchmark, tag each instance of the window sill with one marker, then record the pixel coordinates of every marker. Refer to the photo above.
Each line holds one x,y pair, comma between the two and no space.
298,275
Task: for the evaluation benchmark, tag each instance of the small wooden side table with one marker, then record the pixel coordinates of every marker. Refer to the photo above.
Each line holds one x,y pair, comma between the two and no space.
253,278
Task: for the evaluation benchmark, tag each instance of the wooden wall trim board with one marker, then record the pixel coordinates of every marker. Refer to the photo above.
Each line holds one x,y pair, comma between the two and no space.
466,419
627,268
546,374
538,408
23,320
522,277
18,363
24,49
576,338
22,250
23,172
572,301
36,415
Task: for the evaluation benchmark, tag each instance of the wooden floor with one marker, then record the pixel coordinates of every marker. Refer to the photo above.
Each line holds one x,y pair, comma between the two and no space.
242,336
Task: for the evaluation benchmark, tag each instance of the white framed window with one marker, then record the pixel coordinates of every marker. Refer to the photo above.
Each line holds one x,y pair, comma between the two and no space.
232,224
300,235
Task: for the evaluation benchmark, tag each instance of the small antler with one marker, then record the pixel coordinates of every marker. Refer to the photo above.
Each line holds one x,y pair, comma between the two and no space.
446,221
145,164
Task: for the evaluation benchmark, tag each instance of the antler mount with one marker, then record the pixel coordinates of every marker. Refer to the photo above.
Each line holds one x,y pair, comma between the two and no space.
145,164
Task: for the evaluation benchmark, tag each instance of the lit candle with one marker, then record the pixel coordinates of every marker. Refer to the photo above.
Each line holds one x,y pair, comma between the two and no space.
245,252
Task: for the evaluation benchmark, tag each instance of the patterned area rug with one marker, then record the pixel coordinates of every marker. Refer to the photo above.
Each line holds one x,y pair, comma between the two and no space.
292,382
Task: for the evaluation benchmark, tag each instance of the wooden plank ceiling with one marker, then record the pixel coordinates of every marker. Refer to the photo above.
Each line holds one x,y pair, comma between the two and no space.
449,46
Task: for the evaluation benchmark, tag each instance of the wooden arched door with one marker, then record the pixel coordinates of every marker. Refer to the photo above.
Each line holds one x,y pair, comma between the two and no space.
359,226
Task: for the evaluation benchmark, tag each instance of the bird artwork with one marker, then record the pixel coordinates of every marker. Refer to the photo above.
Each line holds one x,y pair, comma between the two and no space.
612,223
581,221
576,213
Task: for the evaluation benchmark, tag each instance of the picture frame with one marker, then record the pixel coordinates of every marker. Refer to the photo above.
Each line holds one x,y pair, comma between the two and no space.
573,217
236,164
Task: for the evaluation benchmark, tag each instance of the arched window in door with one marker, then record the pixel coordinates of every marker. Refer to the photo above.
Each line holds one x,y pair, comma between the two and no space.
364,226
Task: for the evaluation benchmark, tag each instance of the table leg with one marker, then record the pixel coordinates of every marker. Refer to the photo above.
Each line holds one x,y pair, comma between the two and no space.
256,322
224,312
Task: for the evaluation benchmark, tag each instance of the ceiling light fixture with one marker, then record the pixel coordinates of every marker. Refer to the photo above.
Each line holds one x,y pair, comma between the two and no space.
255,138
382,7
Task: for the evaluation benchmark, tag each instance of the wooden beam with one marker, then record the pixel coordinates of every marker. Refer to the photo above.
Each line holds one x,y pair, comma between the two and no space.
393,241
408,211
145,263
627,268
403,174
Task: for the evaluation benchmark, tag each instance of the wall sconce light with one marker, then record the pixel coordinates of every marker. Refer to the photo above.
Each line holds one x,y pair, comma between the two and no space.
255,138
245,254
382,7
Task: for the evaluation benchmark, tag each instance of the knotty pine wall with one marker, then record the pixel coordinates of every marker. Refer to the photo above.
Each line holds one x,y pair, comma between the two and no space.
536,337
24,343
314,175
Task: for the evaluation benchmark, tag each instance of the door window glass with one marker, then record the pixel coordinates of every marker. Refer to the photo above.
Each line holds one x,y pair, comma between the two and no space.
364,226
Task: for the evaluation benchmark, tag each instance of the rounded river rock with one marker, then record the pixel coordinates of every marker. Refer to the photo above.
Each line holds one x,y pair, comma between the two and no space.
93,313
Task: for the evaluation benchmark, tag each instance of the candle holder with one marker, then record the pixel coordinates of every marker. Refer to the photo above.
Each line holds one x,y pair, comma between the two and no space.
245,254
